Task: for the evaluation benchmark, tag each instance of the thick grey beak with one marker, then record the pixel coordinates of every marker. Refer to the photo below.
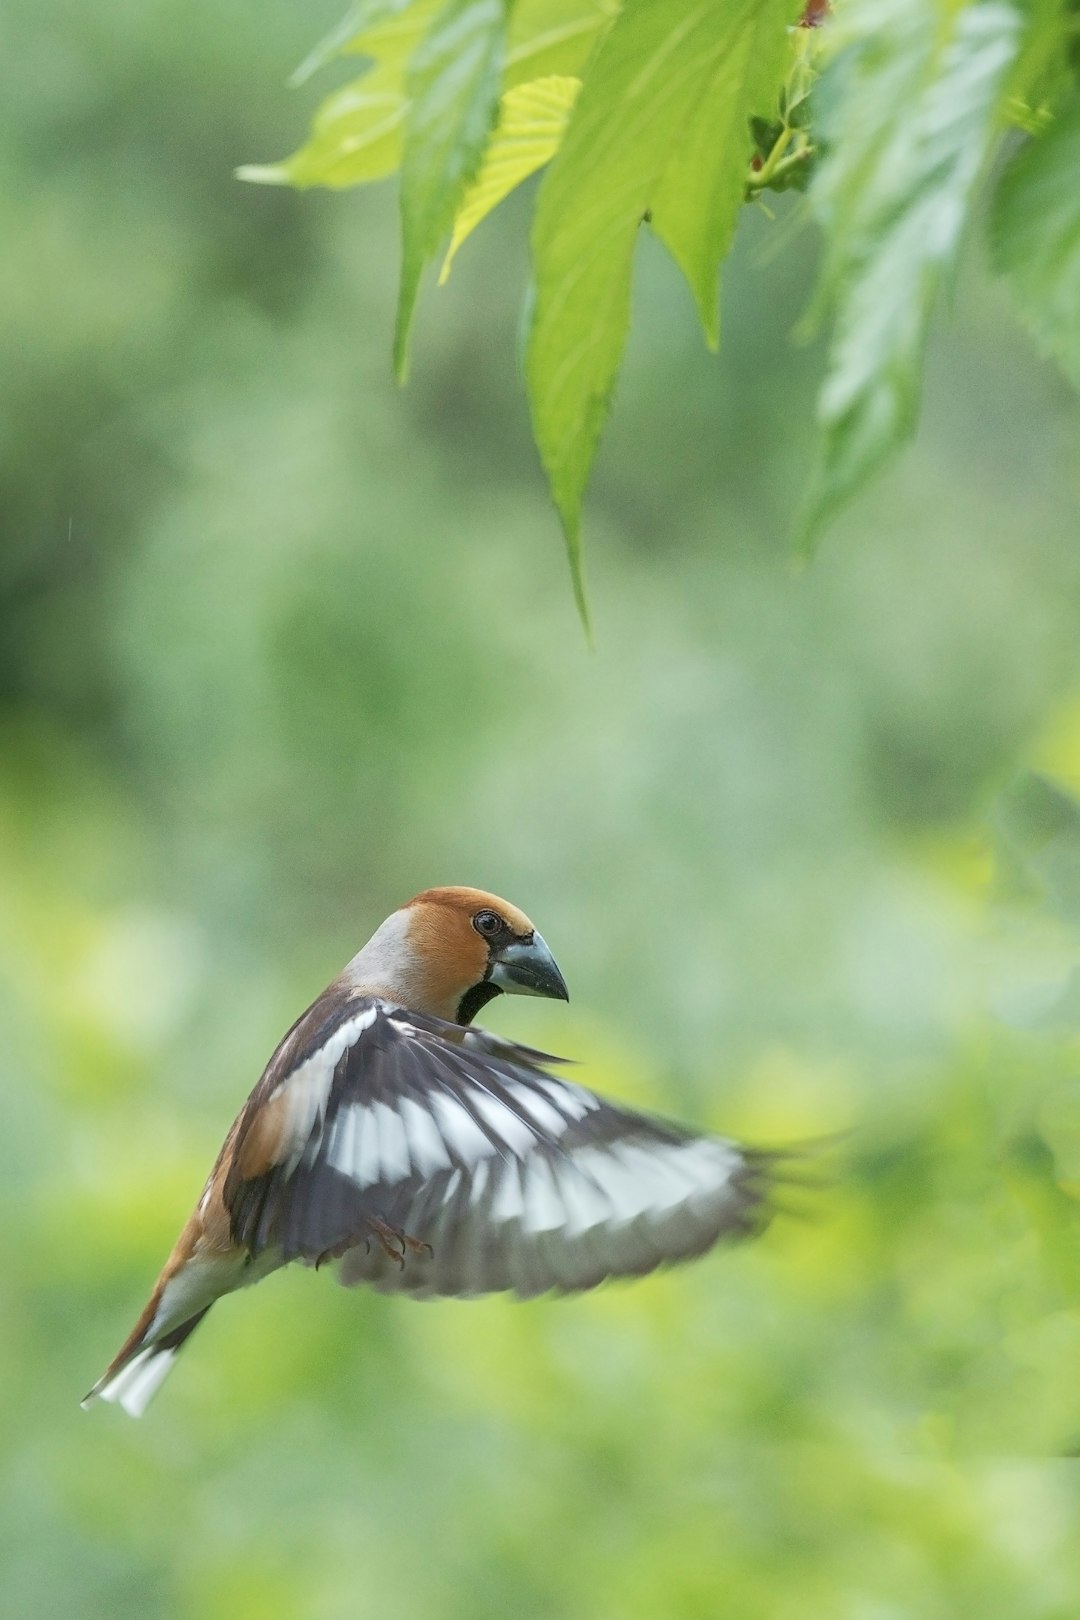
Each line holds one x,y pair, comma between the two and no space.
527,968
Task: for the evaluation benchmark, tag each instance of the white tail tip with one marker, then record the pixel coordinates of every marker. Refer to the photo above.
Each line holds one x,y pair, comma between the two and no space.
136,1383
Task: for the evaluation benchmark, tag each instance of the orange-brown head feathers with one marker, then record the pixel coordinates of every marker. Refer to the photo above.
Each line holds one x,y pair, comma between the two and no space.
449,951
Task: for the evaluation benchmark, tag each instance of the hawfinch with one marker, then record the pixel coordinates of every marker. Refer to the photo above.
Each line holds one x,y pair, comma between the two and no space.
427,1157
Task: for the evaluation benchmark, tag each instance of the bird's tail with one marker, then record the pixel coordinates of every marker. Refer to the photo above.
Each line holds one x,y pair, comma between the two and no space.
138,1371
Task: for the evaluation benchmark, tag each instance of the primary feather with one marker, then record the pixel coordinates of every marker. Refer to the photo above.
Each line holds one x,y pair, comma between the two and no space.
513,1177
430,1158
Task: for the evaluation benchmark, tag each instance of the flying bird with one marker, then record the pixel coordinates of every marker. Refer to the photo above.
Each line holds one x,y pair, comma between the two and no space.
426,1157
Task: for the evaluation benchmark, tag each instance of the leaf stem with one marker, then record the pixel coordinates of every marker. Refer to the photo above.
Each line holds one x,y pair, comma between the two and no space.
779,161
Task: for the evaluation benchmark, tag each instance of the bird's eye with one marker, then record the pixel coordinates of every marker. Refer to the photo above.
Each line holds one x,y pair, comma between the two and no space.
488,923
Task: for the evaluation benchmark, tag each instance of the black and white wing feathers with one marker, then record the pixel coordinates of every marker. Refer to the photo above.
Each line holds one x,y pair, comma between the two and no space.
512,1177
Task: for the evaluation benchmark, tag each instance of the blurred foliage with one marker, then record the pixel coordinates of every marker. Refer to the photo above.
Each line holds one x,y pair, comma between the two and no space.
281,645
685,113
1036,236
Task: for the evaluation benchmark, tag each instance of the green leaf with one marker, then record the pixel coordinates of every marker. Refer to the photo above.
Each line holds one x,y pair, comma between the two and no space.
347,36
356,137
908,114
697,204
554,36
453,83
357,132
546,36
640,96
1035,238
532,121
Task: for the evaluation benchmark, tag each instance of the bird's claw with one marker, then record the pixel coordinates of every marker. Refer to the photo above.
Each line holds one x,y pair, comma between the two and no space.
396,1244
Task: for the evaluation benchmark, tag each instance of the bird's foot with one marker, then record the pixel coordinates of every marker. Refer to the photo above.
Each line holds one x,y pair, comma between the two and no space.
395,1243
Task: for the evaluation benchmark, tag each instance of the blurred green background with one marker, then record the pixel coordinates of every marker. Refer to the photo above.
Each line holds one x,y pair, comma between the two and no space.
281,645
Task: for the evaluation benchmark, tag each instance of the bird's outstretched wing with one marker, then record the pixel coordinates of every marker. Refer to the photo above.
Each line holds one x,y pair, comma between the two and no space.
486,1170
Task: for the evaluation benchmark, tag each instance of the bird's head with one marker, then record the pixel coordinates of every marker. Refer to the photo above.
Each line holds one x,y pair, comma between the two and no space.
448,952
